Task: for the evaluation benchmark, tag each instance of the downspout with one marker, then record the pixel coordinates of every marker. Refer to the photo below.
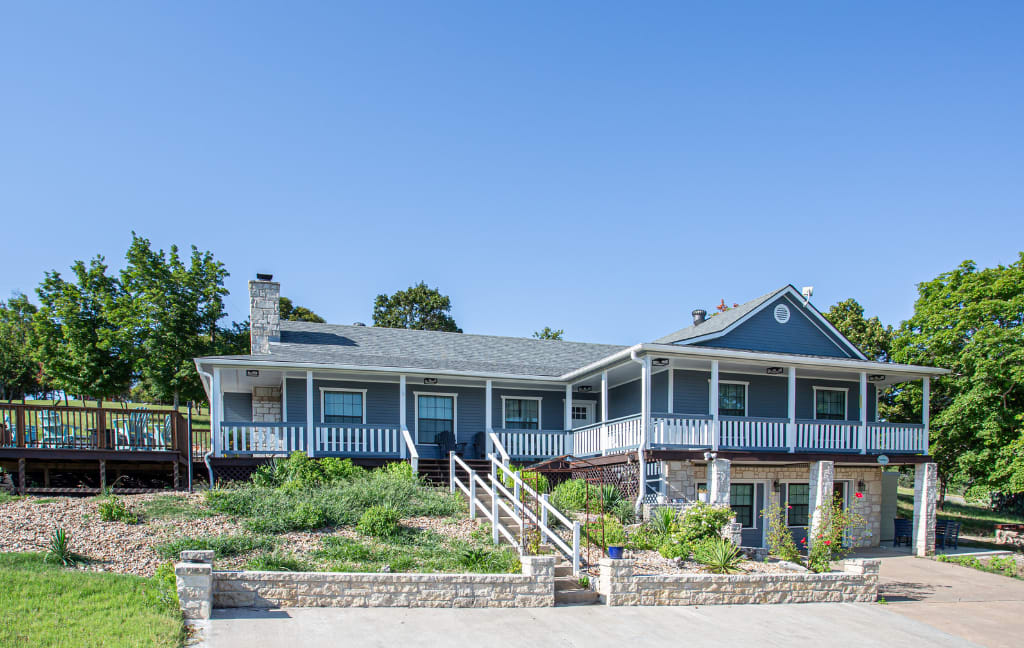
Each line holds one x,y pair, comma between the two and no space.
644,423
207,379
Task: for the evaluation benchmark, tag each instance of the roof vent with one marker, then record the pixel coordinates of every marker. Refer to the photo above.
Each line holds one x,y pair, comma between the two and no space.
358,324
262,276
699,316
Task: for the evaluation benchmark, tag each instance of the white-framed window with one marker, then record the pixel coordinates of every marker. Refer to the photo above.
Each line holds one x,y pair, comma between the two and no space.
797,497
435,417
520,412
742,501
732,398
342,405
830,403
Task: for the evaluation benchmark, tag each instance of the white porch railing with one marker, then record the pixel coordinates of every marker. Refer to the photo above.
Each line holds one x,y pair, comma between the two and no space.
828,435
409,450
753,433
622,434
686,430
260,438
587,440
345,439
534,444
897,437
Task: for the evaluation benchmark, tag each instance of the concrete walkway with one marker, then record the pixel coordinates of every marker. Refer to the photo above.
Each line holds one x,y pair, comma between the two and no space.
815,624
987,609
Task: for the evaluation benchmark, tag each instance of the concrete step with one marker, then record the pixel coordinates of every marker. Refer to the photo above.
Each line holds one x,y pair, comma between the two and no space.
566,583
576,597
563,569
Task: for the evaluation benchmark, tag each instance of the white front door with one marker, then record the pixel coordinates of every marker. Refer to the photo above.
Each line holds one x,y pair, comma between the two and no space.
582,413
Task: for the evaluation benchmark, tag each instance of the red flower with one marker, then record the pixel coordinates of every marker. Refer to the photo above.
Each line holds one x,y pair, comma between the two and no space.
789,507
858,495
803,540
828,542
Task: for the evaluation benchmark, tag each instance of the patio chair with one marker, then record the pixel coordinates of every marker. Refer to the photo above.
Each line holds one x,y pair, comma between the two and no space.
903,532
947,534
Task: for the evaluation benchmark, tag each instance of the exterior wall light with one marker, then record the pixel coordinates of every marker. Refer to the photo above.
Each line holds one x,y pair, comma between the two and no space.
252,373
775,371
586,389
430,381
660,362
876,377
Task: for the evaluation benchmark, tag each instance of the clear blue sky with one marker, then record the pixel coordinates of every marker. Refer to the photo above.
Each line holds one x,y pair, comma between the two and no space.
592,167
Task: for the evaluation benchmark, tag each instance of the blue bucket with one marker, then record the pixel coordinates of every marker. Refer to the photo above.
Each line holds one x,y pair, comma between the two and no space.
615,553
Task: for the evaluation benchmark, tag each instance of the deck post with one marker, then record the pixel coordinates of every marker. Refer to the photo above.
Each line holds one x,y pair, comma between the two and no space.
645,425
791,409
713,407
46,476
671,390
863,404
21,476
310,432
926,388
103,474
568,408
19,427
101,428
216,413
177,477
488,416
604,412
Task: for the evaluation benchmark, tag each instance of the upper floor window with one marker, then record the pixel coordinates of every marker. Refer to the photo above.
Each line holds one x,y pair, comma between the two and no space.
732,399
521,413
830,404
343,406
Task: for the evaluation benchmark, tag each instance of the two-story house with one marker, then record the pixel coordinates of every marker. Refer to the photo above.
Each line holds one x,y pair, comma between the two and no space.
764,402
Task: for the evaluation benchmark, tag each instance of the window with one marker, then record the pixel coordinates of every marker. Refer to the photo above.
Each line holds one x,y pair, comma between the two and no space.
798,499
522,413
435,419
341,406
732,399
741,500
830,404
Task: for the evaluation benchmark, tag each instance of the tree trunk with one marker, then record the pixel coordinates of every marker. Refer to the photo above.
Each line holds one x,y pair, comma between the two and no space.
177,400
942,493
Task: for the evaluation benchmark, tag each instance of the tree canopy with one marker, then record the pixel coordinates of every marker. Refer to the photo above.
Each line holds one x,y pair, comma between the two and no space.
418,307
294,313
548,333
868,334
19,370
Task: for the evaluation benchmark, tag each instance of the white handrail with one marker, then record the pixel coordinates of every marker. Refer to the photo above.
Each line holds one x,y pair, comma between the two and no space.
496,442
411,452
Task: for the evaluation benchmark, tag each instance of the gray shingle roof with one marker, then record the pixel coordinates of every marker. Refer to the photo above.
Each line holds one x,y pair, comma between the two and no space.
332,344
719,322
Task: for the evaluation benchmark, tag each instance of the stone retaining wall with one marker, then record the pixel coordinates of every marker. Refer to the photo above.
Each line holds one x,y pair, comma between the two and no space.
200,588
619,586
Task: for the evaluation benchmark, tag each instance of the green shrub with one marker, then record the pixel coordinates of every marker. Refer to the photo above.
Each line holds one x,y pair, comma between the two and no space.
702,521
837,526
278,561
644,537
624,511
337,548
719,556
165,586
610,534
223,546
534,480
570,495
113,509
672,548
663,520
58,550
780,539
299,471
380,521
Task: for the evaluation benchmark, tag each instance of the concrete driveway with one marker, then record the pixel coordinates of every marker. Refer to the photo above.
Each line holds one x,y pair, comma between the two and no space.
815,624
987,609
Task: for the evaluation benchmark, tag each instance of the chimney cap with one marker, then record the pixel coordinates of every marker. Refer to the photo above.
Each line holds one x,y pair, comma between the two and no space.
263,276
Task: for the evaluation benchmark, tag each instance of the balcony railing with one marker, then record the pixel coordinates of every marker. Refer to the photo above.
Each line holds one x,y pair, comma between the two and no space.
344,440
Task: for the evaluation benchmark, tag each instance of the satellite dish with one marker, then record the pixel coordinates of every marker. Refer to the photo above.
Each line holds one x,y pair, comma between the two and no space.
884,460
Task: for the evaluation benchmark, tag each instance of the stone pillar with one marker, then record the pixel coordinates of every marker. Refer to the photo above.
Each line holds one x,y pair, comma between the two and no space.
542,569
926,478
719,482
868,568
264,315
820,496
266,404
616,585
733,532
195,584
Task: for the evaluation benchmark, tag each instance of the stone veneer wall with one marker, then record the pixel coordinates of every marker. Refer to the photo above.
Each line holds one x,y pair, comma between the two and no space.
619,586
535,587
682,477
266,404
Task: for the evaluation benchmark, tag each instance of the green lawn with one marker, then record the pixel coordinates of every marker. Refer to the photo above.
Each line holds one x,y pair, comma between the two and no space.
975,519
42,605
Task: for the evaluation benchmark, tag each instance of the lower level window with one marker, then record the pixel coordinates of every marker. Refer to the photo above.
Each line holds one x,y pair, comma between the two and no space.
798,501
741,497
436,419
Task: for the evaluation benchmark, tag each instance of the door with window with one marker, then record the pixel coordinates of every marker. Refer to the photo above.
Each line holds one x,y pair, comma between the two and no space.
747,502
582,413
798,512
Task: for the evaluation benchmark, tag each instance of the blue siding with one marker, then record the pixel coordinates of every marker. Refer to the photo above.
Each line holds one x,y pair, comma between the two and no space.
659,391
691,391
624,399
237,407
295,397
799,335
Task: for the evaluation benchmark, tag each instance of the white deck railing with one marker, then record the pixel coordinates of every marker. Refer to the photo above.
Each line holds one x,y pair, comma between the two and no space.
828,435
587,440
346,439
897,437
534,444
622,434
260,438
753,433
681,430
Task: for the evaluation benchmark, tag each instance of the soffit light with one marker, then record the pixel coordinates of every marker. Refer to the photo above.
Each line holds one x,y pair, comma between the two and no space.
775,371
876,377
430,381
660,362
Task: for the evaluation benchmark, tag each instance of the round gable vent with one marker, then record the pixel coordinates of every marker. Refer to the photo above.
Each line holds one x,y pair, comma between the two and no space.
782,313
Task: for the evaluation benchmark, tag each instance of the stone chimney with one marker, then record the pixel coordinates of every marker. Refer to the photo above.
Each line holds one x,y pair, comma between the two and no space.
264,313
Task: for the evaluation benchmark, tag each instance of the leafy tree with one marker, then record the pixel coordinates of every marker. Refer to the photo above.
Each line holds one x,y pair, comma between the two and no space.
869,335
232,340
549,334
83,347
294,313
970,321
19,370
419,307
171,309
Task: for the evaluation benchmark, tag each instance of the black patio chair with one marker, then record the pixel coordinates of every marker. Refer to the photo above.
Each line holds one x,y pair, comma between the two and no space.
903,532
947,534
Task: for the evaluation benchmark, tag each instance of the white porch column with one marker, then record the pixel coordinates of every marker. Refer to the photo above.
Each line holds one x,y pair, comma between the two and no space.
489,415
791,409
284,397
645,426
820,497
926,479
310,429
604,412
863,412
713,406
671,390
568,408
926,392
719,482
216,412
